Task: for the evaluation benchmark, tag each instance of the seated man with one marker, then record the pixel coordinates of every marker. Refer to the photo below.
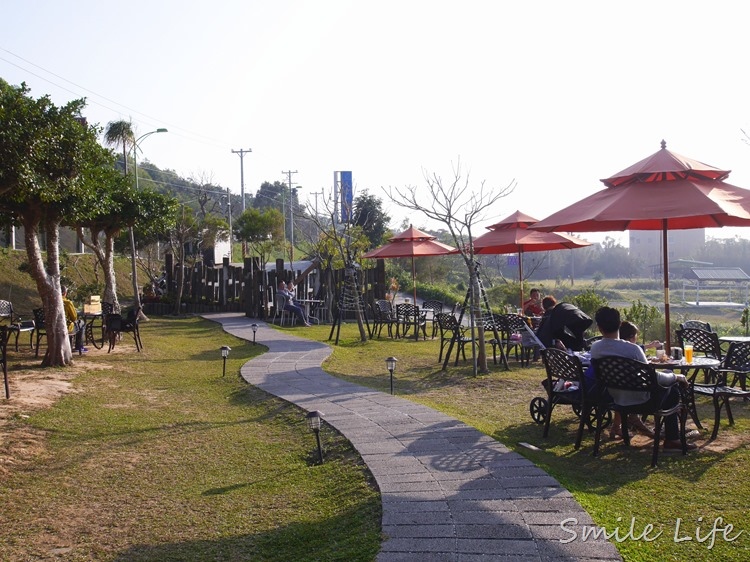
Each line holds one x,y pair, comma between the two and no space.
290,305
75,325
608,322
562,325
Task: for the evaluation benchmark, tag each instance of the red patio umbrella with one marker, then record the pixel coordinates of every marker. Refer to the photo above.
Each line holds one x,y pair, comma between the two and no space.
512,235
411,243
662,192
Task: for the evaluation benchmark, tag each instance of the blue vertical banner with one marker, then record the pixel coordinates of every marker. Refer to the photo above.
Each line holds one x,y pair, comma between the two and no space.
346,196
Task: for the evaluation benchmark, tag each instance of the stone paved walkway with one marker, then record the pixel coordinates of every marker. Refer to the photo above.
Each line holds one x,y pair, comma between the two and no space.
449,492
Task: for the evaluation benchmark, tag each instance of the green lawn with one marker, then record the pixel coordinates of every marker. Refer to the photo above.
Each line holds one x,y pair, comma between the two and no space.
157,457
616,486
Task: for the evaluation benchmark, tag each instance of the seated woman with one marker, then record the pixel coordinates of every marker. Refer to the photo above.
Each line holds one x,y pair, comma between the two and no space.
290,305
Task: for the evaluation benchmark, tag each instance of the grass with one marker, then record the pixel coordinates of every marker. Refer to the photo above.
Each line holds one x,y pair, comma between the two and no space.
157,457
614,487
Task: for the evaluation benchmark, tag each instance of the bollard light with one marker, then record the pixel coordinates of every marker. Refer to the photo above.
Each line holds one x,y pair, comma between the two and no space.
255,329
391,364
313,422
225,349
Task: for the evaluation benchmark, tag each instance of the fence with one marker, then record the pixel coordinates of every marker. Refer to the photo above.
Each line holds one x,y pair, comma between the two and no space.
251,289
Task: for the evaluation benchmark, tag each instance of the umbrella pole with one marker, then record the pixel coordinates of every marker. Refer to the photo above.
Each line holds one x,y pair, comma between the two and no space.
520,276
665,270
414,285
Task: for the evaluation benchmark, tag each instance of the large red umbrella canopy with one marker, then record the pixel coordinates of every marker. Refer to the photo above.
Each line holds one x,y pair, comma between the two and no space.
512,235
411,243
662,192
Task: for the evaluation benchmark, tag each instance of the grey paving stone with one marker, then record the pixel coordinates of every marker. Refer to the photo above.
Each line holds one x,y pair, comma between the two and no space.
449,493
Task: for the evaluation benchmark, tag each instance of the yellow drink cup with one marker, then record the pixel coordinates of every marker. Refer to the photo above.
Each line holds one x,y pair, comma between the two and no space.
688,353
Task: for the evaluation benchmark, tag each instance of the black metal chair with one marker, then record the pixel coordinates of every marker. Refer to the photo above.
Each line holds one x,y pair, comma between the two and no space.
435,307
383,315
495,332
697,324
117,325
15,324
704,342
4,332
452,331
407,317
622,373
565,372
589,341
516,327
40,328
736,363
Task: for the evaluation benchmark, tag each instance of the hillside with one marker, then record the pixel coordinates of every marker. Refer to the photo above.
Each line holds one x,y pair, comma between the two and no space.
77,271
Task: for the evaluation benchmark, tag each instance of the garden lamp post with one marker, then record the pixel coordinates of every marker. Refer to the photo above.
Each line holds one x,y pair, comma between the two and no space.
313,422
133,264
391,364
225,349
255,329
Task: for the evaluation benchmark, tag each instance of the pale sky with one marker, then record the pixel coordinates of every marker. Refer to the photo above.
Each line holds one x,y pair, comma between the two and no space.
552,95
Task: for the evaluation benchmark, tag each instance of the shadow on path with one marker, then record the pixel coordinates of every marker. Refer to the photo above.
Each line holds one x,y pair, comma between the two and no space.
449,492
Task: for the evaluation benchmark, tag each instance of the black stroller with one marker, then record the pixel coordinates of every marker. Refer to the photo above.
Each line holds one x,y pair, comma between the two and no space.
566,385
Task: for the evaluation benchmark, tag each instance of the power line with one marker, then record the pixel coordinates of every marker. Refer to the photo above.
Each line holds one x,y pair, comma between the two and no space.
198,137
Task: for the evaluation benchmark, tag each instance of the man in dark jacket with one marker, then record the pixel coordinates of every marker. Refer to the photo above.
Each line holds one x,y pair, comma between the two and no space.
563,322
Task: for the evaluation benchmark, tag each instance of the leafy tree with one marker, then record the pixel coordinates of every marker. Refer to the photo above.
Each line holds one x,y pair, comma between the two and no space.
103,223
589,301
370,217
184,229
262,230
270,195
49,159
120,133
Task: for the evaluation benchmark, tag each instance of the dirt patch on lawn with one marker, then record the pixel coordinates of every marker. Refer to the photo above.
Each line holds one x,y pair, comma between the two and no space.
32,388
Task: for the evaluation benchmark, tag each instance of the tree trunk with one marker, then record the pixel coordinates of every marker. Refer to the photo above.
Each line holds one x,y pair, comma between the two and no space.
59,353
110,279
106,258
476,311
363,335
180,281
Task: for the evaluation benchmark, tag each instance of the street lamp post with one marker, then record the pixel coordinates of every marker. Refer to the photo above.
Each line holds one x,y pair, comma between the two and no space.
134,271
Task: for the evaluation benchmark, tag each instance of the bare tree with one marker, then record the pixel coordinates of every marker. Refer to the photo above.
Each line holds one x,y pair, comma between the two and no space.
459,207
336,245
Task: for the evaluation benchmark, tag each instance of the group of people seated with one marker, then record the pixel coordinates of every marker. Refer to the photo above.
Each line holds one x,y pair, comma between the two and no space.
563,326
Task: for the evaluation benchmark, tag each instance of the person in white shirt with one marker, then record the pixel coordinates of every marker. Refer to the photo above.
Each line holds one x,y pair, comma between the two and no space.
608,321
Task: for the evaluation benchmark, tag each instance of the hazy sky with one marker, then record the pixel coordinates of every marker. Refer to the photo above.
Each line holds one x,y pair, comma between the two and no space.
552,95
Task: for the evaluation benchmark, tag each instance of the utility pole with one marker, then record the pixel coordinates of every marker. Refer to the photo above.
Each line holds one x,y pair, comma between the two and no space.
288,174
317,220
229,211
242,153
